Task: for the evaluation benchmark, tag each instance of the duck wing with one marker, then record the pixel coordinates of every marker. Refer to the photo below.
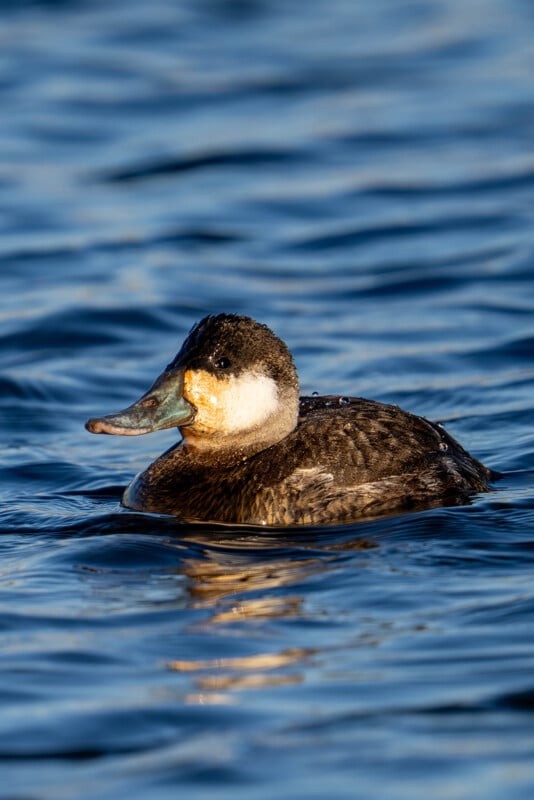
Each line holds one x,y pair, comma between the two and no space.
354,458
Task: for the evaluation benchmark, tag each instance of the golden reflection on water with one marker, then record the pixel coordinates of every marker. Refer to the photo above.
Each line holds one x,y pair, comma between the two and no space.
224,586
227,673
221,574
227,583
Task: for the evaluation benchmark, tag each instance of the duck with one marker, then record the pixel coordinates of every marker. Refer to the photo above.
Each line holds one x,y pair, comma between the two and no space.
253,452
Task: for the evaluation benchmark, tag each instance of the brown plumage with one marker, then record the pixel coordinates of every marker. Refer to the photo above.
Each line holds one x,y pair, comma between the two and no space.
342,460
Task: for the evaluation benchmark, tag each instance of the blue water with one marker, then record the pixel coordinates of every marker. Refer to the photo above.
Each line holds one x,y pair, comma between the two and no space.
359,176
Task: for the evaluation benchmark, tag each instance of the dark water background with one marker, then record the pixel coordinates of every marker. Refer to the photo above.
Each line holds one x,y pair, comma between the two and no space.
360,176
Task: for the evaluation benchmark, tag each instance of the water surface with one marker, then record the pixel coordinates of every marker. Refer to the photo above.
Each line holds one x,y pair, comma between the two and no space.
359,176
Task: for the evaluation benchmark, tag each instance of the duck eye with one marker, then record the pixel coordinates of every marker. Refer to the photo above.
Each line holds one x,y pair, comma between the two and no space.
222,363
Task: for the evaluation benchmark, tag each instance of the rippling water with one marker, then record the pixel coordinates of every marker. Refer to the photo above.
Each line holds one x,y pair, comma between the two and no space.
360,176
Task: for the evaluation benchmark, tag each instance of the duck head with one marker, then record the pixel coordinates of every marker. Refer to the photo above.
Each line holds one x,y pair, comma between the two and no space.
233,385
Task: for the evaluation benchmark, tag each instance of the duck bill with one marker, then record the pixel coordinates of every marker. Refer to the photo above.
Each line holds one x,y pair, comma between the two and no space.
163,406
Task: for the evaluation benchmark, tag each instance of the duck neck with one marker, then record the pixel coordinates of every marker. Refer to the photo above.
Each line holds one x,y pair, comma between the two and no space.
241,444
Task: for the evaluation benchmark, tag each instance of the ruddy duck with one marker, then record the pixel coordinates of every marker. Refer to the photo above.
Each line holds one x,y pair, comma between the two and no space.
253,452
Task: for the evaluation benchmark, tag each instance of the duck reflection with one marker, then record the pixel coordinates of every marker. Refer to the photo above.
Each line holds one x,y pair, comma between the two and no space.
245,672
239,583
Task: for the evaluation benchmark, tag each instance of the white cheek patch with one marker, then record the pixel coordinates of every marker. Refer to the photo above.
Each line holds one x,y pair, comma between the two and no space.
248,401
